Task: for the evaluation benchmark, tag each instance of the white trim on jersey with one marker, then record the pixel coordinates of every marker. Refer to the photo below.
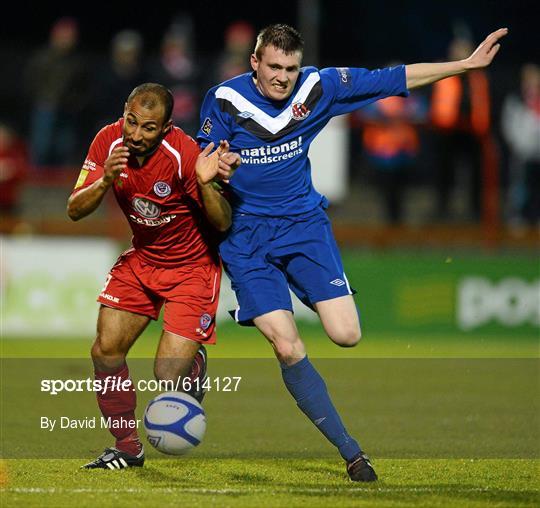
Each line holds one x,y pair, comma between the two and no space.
272,124
176,153
348,285
113,144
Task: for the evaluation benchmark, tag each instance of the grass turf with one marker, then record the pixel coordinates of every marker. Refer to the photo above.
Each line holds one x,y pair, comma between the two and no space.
449,421
272,482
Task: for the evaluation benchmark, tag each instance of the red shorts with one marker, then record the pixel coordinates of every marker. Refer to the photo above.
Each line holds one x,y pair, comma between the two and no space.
190,294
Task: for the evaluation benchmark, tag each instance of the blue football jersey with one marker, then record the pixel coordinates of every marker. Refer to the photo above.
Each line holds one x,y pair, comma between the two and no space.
273,137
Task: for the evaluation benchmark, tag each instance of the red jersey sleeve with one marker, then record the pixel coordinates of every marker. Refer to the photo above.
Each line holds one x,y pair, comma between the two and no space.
94,163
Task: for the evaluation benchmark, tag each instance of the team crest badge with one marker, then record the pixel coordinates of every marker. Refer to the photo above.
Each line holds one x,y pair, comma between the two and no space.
300,111
162,189
206,321
207,126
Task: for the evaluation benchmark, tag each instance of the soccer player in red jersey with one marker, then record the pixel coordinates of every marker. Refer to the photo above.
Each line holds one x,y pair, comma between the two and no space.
163,183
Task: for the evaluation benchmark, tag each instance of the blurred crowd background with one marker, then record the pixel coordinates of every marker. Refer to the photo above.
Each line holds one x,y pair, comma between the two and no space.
464,153
435,199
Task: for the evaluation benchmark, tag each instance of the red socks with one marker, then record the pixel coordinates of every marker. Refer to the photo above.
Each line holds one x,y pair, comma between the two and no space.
117,400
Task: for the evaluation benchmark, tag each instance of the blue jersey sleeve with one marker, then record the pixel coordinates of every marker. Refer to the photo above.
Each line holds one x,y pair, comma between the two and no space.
214,123
353,88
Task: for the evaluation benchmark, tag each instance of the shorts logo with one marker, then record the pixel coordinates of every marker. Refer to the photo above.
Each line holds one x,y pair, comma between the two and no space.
111,298
146,208
206,321
338,282
162,189
207,126
300,111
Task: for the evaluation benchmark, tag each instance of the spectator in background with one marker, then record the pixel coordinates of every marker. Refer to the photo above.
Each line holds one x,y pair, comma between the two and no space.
238,46
123,72
391,144
56,84
233,59
13,169
460,116
521,130
177,69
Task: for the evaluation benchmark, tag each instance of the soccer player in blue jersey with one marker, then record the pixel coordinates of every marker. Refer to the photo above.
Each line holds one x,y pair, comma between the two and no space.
281,237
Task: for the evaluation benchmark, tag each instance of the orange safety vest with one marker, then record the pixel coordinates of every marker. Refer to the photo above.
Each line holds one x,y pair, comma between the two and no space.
392,136
446,101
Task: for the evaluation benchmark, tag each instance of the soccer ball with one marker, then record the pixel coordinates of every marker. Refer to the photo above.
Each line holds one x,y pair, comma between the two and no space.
175,423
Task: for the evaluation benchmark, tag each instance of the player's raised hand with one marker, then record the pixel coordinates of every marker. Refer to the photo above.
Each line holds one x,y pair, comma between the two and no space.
115,164
216,165
207,164
486,51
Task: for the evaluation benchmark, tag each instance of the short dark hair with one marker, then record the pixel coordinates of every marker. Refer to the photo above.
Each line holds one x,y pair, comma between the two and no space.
151,95
280,36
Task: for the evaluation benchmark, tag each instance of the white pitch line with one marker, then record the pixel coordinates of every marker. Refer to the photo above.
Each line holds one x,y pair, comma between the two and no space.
243,490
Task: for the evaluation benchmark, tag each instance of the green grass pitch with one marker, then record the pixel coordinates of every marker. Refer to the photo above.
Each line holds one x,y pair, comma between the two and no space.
447,420
274,482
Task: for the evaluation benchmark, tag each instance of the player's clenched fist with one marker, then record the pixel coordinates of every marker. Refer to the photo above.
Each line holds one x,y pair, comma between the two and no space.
228,162
115,164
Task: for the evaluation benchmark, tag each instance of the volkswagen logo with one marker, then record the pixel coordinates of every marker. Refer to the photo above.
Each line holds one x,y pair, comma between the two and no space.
146,208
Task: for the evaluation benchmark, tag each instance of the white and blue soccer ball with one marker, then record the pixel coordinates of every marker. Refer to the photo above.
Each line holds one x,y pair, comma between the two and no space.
175,423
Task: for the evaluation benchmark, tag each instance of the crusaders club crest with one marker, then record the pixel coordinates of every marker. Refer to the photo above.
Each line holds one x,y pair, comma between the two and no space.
300,111
162,189
206,321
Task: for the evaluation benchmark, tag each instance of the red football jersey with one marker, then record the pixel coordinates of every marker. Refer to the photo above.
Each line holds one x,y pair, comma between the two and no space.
160,199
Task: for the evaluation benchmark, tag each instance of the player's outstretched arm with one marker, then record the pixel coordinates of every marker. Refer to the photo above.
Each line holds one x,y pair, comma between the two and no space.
425,73
209,167
85,201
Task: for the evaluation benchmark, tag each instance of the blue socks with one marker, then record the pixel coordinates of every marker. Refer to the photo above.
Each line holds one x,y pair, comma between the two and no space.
309,390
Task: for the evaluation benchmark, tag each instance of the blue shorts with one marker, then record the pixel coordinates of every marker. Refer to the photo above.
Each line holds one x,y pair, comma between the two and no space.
265,256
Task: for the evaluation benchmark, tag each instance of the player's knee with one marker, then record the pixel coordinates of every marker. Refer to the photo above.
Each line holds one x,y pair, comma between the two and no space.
347,336
106,351
288,351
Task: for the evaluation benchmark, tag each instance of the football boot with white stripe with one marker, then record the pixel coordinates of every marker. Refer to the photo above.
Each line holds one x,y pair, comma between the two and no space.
113,459
360,469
